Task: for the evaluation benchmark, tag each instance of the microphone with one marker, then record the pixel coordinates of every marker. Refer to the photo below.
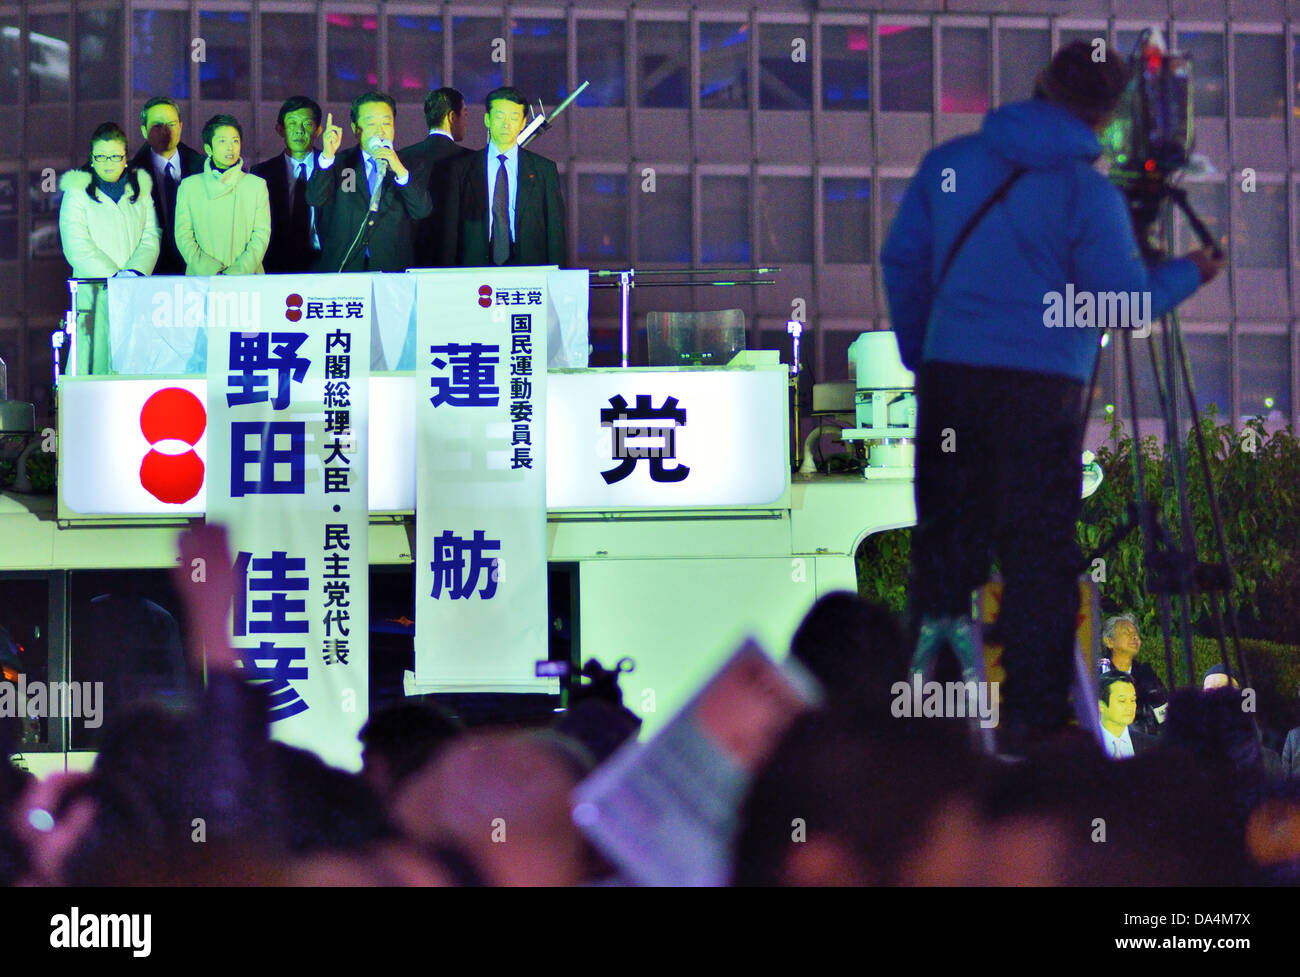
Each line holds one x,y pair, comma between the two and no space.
381,169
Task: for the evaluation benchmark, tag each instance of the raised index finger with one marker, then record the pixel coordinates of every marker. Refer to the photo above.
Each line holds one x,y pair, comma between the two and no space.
329,120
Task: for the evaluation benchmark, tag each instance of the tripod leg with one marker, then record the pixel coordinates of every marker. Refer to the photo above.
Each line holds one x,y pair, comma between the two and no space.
1216,518
1186,554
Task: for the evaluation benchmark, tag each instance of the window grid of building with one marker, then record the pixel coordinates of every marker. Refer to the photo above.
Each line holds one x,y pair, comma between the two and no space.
734,135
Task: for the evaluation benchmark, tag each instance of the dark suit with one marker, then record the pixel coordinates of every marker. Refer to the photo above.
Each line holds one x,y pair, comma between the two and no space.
435,154
1291,754
539,213
285,253
340,213
1142,742
170,261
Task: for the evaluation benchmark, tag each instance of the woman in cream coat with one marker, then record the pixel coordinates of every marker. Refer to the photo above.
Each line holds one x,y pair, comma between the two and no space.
223,215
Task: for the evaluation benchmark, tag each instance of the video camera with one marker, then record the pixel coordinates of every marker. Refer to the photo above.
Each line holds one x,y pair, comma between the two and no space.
602,683
1151,136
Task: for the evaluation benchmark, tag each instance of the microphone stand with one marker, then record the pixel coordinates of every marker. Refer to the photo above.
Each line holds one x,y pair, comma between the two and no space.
368,221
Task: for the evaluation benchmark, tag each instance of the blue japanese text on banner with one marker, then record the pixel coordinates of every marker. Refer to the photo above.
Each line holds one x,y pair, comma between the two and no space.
480,410
288,380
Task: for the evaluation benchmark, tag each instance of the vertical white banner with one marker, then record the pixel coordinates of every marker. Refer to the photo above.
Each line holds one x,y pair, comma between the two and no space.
288,381
480,412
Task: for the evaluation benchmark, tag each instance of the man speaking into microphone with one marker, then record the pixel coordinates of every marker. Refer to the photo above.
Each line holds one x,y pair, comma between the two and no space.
366,200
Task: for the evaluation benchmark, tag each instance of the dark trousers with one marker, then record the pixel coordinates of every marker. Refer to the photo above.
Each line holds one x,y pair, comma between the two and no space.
998,467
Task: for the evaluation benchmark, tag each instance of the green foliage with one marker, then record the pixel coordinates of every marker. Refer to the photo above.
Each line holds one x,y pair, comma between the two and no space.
41,469
1257,492
882,562
1259,499
41,465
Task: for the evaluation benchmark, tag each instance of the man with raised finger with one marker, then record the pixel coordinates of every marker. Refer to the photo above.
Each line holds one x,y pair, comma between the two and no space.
366,199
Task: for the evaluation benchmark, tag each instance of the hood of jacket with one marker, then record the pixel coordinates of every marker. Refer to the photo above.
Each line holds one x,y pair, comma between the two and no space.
218,184
75,181
1039,135
78,181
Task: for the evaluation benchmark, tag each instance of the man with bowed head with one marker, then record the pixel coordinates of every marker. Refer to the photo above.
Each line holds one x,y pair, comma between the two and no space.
168,161
367,201
503,203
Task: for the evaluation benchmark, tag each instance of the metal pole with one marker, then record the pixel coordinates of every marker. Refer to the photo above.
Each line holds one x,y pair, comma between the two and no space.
625,287
70,326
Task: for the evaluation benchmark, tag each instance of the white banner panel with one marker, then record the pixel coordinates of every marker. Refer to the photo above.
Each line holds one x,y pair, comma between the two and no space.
103,452
136,447
480,415
157,326
666,438
288,383
739,414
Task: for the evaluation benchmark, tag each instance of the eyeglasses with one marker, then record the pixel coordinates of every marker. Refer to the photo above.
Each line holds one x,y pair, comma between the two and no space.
108,159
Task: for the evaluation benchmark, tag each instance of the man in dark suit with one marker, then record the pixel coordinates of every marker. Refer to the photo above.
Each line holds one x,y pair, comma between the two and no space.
503,203
168,161
1291,754
1117,703
446,115
367,201
295,245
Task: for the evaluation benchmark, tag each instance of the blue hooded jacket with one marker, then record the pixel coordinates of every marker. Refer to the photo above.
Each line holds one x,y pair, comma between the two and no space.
1061,223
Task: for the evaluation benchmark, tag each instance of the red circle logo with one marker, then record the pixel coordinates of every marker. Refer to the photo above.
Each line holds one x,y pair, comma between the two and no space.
485,296
172,414
172,478
293,307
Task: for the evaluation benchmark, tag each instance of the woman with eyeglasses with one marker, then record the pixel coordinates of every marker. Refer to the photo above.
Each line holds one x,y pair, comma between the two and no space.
109,229
106,221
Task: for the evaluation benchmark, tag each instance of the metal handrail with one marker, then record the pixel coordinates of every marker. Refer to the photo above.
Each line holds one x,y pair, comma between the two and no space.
627,281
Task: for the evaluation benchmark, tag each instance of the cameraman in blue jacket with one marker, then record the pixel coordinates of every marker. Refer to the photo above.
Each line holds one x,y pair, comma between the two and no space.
1000,385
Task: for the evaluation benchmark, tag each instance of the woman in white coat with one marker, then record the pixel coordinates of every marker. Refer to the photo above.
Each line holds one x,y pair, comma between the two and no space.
108,228
106,220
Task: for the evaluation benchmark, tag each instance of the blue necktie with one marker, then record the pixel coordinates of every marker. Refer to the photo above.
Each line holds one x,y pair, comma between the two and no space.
371,167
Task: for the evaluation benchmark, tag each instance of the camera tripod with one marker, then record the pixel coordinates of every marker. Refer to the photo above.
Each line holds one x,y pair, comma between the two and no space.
1174,568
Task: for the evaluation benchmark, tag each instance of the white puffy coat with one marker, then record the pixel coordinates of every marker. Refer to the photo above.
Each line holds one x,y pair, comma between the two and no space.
100,237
